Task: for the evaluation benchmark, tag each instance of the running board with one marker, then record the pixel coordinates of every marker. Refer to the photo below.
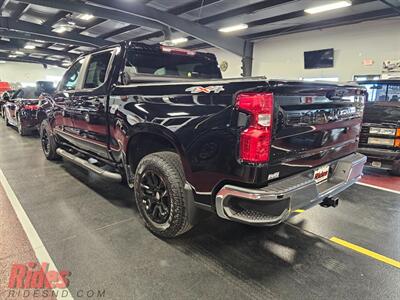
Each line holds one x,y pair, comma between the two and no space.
88,166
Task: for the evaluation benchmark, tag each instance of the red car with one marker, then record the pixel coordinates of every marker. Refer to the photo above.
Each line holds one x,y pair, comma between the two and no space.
21,110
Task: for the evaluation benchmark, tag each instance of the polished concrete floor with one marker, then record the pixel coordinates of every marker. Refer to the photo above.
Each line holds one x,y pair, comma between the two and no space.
91,228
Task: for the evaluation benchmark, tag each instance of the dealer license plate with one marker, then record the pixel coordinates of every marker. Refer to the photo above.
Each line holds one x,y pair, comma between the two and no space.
321,174
376,164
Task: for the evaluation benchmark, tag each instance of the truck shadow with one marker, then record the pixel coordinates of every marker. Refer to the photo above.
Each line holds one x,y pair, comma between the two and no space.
117,194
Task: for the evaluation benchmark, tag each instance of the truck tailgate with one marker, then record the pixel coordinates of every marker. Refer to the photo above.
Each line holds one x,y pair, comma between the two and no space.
316,123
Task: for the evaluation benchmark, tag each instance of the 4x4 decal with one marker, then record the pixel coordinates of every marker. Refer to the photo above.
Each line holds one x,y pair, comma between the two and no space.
199,89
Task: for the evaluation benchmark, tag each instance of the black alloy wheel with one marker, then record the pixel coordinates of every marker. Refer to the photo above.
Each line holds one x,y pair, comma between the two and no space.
156,201
48,141
45,141
160,195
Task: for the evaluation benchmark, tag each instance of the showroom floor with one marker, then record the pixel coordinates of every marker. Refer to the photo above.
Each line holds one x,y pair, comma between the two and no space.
91,228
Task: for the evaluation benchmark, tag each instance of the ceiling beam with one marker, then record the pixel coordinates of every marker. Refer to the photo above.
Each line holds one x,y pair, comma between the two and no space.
19,11
83,8
118,31
292,15
394,7
184,8
265,21
41,32
181,9
228,14
311,26
13,46
92,24
55,18
248,9
211,36
27,59
346,20
3,3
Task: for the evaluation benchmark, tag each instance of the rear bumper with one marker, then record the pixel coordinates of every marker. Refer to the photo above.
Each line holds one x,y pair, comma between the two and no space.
386,157
29,120
273,204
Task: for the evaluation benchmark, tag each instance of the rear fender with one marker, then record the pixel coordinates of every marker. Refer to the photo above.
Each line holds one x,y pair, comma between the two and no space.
162,133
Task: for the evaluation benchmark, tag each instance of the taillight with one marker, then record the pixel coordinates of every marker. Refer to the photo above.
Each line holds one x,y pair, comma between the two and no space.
31,107
255,140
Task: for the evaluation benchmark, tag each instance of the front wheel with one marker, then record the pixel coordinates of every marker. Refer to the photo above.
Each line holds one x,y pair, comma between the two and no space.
159,192
49,144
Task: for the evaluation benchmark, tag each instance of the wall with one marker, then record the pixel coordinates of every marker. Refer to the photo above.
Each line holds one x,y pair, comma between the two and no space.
282,57
28,73
234,62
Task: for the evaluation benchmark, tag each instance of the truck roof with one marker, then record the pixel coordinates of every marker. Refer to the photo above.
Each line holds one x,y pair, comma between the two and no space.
380,81
156,48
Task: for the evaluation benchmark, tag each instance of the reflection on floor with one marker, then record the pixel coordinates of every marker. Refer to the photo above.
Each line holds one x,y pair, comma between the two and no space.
381,179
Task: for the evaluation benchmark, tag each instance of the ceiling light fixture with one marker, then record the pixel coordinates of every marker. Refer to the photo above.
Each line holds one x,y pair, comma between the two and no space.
86,17
19,53
12,56
175,42
327,7
30,47
233,28
60,29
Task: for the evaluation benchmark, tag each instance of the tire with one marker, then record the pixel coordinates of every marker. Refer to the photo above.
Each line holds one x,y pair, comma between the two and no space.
164,168
49,144
395,168
7,123
21,130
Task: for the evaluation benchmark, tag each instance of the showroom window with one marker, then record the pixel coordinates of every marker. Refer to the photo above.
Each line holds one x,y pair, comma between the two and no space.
383,92
393,93
376,92
71,77
169,65
97,70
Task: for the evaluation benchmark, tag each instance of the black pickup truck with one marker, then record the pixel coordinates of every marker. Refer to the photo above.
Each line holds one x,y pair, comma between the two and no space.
162,119
380,134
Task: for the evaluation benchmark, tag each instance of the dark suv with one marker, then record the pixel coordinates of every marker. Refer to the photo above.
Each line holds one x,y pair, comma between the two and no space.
380,135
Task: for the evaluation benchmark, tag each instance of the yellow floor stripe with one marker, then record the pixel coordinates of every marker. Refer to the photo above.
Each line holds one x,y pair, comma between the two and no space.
298,210
366,252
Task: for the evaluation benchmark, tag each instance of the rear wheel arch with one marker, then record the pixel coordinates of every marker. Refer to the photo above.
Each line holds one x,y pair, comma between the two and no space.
144,143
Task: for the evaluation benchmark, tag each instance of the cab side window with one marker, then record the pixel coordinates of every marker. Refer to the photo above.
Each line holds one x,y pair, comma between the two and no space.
71,77
97,70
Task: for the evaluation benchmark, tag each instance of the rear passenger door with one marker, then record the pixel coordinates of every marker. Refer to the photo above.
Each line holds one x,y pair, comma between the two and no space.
90,104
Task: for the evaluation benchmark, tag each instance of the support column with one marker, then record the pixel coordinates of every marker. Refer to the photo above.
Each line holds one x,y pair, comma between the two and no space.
247,59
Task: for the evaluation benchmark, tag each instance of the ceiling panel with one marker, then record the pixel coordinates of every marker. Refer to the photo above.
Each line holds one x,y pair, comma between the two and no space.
214,14
313,18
